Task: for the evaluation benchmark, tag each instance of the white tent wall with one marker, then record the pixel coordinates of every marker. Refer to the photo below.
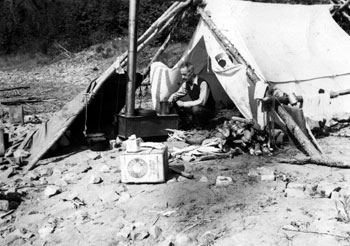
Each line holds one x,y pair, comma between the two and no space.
288,42
296,48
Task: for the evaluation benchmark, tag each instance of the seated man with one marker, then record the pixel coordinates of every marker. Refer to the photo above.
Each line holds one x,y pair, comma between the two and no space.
201,108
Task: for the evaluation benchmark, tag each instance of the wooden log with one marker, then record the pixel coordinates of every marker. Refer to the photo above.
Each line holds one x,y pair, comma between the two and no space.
155,24
157,27
182,173
299,135
167,40
321,160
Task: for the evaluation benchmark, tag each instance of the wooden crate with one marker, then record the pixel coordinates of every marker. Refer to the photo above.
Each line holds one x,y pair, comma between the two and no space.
146,166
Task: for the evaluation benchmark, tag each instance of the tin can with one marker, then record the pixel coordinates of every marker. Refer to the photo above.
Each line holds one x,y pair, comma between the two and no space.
164,108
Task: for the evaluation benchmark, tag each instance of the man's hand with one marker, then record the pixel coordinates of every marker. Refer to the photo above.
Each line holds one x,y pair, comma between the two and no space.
180,103
172,99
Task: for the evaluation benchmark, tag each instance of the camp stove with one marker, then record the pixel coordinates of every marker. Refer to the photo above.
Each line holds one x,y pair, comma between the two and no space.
152,125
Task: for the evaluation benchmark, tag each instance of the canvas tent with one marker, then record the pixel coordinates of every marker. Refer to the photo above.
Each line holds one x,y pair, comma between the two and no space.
294,48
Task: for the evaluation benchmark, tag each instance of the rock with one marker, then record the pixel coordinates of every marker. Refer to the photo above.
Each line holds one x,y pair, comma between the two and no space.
46,230
94,156
104,169
84,168
138,224
167,241
120,189
296,186
4,205
253,173
182,239
187,158
325,189
33,175
70,177
60,183
124,197
223,181
109,196
47,172
139,235
204,179
43,181
310,189
120,225
172,180
222,168
155,231
181,179
266,174
52,190
208,238
95,179
294,193
125,232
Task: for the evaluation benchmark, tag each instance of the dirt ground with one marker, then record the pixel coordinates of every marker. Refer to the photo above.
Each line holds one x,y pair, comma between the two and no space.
78,198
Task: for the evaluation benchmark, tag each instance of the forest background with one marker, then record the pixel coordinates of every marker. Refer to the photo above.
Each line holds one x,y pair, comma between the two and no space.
45,26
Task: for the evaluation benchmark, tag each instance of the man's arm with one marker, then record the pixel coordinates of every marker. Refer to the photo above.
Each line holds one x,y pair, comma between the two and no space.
203,96
181,92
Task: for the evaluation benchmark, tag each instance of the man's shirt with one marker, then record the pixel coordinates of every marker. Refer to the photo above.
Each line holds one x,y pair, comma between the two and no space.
203,94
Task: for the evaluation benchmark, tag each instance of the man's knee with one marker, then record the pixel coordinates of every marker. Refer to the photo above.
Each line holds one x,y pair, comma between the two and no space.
197,110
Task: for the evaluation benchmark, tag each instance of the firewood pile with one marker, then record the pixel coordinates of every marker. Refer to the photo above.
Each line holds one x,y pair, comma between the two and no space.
233,137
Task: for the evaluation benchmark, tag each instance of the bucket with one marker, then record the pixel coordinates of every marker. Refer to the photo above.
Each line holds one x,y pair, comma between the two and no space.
97,141
164,108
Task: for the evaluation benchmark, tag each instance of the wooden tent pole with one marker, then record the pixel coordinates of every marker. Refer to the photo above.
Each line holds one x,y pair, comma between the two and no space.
285,100
293,127
165,43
